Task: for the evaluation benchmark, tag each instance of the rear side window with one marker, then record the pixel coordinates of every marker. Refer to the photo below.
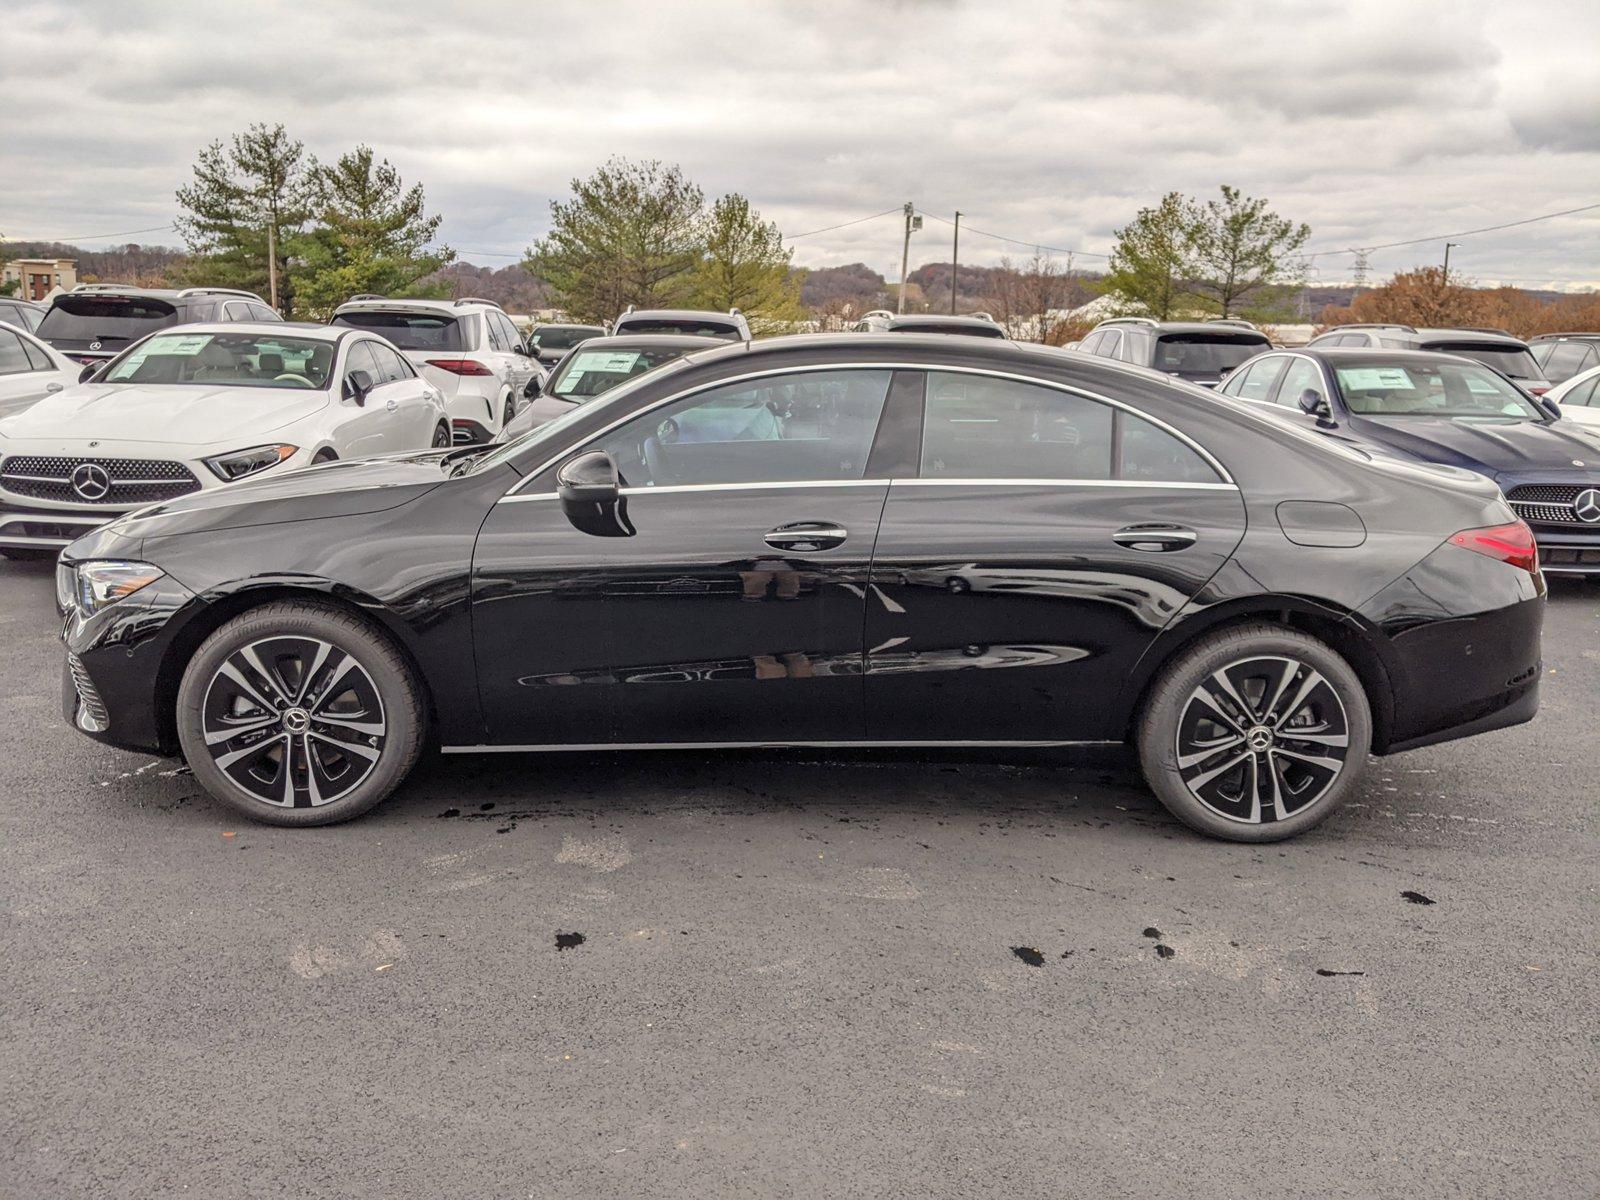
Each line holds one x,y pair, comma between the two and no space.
14,359
980,427
1583,395
422,331
1257,380
36,356
1301,377
391,366
1566,360
1135,347
107,319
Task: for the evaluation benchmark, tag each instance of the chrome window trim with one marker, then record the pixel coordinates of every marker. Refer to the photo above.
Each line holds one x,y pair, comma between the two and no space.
1206,456
772,485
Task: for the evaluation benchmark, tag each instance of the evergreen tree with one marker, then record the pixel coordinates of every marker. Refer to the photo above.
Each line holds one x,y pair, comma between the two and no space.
745,265
371,234
630,234
245,197
1243,251
1154,258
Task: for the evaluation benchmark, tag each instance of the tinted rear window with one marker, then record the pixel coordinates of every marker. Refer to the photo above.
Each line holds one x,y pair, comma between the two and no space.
424,331
112,320
547,338
1204,354
1512,361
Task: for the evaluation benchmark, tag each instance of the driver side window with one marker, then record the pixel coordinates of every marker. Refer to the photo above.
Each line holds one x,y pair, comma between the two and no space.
360,359
811,425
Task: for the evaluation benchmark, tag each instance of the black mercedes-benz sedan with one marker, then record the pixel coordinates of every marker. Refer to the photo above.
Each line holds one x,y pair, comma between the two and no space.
1447,408
881,540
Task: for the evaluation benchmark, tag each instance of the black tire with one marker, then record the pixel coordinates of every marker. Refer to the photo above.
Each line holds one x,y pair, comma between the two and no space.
441,437
511,411
324,456
28,554
1253,764
349,733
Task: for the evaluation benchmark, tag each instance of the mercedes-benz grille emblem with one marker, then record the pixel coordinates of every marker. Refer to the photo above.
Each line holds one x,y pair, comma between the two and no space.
1586,505
94,345
92,481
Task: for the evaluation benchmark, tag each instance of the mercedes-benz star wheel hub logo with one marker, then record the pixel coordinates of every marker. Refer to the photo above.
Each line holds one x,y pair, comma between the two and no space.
1586,505
91,481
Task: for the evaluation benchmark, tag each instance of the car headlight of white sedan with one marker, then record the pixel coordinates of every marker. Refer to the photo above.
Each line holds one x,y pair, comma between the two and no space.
239,463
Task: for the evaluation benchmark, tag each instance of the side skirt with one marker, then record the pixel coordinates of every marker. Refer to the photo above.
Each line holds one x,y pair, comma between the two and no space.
592,746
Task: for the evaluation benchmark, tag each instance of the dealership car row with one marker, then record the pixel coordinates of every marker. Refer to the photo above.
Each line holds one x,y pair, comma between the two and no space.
820,540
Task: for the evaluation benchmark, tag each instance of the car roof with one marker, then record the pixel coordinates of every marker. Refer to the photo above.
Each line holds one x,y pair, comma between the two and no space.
19,302
1562,337
402,304
1338,354
321,333
566,325
657,314
1466,335
91,290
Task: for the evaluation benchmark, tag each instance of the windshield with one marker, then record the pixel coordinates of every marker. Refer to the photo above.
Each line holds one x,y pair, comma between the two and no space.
105,319
1431,390
563,337
232,359
426,331
1201,355
692,326
587,373
1508,360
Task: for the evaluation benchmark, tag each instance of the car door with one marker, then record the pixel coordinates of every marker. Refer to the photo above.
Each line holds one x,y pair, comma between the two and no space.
367,423
1042,542
26,373
408,398
729,610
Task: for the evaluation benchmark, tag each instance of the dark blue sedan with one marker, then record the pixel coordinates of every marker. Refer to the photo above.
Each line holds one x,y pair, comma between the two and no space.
1446,409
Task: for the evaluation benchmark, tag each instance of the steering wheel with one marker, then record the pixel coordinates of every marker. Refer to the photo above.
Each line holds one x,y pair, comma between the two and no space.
293,378
667,431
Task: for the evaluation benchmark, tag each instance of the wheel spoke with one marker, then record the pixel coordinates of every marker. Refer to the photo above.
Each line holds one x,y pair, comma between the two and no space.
370,728
1326,764
1220,677
1277,788
233,757
244,685
1199,781
229,732
323,650
366,752
1201,753
1307,686
1212,703
331,688
260,668
1339,740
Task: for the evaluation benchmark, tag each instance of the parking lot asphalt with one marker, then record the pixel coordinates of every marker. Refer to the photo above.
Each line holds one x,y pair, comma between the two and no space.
798,974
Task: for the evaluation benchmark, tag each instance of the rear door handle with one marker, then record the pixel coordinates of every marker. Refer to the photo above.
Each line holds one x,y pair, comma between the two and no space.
1155,538
807,536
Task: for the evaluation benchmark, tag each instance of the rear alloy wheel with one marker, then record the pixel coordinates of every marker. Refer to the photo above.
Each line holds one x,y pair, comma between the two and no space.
1255,734
299,714
441,437
511,411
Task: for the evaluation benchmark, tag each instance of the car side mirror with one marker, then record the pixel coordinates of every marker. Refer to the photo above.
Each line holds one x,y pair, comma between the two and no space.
357,384
534,388
1550,406
88,372
590,488
1313,405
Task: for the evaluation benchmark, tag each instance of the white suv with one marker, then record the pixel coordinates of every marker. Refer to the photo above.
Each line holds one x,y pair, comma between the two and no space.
468,349
694,322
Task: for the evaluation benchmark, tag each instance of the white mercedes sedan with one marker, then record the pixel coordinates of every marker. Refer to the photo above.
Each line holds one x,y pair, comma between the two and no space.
30,370
200,407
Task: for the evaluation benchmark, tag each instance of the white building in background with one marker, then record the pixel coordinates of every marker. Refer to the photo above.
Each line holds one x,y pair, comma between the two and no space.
38,279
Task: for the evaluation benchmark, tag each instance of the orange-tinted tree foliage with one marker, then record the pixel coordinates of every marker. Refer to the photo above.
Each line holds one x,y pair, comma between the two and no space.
1424,297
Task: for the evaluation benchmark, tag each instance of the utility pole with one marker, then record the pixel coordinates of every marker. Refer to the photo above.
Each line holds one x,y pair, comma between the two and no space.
913,222
955,262
1447,247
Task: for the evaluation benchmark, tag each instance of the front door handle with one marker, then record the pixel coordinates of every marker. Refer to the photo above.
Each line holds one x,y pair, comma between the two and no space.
54,387
1155,538
392,405
807,536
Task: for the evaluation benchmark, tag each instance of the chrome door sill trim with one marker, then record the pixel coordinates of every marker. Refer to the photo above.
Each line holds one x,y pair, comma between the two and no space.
763,745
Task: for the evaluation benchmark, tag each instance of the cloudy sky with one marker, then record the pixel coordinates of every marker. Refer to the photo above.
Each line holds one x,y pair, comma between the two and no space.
1374,122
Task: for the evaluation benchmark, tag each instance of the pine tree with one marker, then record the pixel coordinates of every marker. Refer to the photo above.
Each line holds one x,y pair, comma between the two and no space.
745,265
1154,258
245,197
1243,250
371,234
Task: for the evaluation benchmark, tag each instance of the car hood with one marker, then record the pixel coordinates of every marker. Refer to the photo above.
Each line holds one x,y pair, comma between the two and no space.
174,414
339,489
1490,447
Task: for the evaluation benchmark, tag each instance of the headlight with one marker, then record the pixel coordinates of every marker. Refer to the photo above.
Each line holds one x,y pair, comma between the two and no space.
228,467
103,582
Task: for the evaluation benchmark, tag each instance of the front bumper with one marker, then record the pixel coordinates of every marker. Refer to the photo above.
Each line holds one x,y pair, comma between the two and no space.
115,688
1568,551
49,528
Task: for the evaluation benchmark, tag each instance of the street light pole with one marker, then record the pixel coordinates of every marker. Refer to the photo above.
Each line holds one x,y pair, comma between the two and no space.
955,262
1447,247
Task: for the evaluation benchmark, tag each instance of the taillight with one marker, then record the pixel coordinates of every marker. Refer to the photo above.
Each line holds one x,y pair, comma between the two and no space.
1512,544
1538,389
460,366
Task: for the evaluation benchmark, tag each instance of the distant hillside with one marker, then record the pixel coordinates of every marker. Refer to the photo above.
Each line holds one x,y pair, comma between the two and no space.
148,266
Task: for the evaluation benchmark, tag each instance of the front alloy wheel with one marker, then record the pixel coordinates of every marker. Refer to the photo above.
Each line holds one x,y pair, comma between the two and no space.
299,713
293,721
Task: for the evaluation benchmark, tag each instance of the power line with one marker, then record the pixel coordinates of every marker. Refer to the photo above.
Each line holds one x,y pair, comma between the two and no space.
1000,237
842,224
94,237
1440,237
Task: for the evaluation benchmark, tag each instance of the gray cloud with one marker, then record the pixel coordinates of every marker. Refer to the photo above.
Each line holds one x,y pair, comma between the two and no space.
1372,121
